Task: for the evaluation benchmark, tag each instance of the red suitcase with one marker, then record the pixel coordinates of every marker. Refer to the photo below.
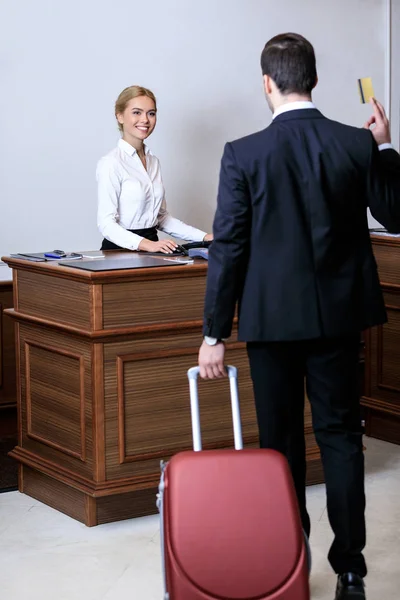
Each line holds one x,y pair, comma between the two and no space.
230,525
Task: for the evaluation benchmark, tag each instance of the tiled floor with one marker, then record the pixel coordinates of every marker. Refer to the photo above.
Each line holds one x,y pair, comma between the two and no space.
45,555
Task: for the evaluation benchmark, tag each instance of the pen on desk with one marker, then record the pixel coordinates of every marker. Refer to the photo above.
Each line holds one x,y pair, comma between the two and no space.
181,262
92,257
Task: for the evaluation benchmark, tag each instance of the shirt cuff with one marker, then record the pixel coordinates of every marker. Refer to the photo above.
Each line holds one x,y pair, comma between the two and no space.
385,146
135,245
199,234
211,341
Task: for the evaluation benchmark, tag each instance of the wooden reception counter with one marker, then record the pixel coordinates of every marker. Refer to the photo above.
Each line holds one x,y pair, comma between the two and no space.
102,387
382,349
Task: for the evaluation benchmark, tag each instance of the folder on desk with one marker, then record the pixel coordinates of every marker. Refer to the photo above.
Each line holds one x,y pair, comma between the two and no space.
40,257
138,261
31,257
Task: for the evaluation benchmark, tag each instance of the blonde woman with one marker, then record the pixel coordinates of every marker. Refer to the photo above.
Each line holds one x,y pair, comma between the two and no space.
131,197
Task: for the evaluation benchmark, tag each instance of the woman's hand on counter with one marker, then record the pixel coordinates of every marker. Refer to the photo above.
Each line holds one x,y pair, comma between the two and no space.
208,238
166,246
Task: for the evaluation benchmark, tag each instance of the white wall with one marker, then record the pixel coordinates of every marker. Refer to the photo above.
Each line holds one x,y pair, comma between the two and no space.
62,65
395,72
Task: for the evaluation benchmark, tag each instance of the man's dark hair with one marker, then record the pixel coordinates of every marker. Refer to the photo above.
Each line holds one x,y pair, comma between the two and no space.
289,60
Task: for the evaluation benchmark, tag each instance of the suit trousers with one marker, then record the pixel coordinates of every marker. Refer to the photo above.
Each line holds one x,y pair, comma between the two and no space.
331,369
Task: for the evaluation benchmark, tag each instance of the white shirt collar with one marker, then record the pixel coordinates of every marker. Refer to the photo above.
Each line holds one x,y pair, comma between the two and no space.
130,149
293,106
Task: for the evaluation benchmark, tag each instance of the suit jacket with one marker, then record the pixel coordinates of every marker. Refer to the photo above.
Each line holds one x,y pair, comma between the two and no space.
291,240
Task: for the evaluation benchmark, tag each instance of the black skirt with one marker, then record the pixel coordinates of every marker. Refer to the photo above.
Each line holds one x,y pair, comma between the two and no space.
149,234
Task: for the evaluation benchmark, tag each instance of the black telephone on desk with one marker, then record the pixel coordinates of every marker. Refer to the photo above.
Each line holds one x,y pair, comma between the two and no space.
183,249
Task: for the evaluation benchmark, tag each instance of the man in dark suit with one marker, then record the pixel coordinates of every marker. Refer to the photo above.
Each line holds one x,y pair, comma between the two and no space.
292,247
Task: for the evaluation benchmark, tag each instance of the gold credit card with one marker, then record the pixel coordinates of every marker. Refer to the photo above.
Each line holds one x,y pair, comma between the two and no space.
366,90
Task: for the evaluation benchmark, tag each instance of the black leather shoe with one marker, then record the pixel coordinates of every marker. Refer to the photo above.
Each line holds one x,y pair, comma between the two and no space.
350,587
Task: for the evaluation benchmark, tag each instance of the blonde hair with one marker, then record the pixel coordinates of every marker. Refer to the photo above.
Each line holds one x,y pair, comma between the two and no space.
128,94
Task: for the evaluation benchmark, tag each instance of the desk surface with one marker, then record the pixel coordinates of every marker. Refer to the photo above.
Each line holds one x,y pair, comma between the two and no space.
390,239
58,269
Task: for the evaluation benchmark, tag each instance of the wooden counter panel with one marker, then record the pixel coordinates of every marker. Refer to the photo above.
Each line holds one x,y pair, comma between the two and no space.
54,299
384,426
310,440
159,301
156,420
127,506
381,398
388,260
55,398
56,408
8,385
384,371
147,404
388,348
384,355
54,493
392,301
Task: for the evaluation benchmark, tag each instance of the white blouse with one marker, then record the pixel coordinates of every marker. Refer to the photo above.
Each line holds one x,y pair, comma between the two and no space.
131,197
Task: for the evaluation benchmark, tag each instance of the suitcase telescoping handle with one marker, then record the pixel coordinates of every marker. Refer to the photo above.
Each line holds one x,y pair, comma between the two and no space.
193,374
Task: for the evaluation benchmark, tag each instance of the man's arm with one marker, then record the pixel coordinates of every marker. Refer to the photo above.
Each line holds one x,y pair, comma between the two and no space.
227,262
383,185
228,253
383,188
